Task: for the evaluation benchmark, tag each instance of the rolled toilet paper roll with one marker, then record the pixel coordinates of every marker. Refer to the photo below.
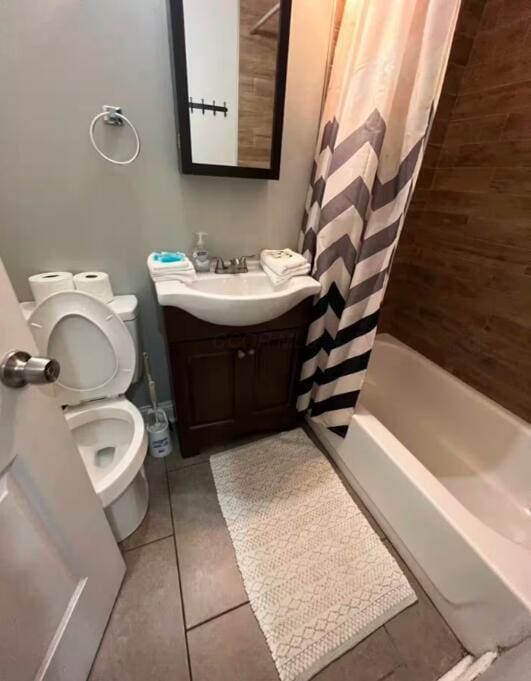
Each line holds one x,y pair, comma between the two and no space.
45,284
97,284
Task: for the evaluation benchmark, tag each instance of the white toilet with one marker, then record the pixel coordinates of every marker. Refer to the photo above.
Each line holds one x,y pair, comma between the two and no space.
96,344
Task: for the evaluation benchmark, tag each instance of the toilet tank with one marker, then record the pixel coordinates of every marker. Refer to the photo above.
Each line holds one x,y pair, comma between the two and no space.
125,307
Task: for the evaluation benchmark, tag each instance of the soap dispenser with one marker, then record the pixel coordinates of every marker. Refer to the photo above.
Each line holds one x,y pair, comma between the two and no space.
200,254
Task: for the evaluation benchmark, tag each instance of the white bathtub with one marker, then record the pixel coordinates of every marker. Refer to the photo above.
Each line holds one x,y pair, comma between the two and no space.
447,473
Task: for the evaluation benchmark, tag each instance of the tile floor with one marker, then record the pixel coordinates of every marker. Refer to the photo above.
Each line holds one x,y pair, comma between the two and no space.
183,615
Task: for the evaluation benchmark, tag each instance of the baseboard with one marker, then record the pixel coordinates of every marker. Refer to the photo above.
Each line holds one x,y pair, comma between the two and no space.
168,407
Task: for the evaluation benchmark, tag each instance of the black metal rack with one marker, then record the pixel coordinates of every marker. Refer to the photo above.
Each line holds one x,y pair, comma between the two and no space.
201,106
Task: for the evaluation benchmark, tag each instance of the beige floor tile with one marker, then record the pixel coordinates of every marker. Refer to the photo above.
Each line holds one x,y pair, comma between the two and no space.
175,460
145,639
371,660
231,648
400,674
211,580
424,640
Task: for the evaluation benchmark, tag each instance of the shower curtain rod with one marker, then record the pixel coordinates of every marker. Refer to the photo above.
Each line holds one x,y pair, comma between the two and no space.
266,17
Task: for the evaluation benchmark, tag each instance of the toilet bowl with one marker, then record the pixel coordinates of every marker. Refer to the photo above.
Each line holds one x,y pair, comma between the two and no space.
97,355
112,440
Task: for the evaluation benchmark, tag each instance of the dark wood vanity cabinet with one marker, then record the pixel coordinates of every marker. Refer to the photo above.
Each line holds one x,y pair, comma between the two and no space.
233,381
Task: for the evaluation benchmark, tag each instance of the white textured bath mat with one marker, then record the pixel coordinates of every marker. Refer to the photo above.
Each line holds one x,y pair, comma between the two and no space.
318,577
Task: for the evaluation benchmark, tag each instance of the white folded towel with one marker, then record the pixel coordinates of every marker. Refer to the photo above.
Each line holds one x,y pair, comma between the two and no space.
170,271
280,279
177,276
283,261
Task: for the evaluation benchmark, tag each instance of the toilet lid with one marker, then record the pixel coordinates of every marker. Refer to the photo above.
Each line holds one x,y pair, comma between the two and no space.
90,342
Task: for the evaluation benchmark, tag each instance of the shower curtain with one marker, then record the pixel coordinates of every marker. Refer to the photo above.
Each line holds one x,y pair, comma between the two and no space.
386,79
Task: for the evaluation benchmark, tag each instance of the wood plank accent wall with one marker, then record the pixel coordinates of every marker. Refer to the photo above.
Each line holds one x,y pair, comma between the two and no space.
460,288
258,63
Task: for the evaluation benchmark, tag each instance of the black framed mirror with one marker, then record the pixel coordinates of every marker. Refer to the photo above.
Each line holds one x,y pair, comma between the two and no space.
230,62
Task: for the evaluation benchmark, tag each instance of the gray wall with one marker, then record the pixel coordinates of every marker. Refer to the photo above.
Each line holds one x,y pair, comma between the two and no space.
63,207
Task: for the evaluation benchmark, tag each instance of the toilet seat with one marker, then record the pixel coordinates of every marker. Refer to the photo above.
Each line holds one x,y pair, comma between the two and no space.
108,423
90,342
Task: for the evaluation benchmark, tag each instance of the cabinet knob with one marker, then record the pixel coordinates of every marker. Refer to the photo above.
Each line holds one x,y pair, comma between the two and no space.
241,354
251,352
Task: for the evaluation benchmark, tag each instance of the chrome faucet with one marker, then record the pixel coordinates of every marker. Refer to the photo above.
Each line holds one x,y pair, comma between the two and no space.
235,266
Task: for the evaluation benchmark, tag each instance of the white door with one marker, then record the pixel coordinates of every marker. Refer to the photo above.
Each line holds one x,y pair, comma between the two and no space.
60,567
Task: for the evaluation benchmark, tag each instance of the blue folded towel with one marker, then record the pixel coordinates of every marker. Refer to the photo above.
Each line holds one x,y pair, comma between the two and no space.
169,256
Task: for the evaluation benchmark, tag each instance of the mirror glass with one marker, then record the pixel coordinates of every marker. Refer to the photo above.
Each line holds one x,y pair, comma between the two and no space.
234,83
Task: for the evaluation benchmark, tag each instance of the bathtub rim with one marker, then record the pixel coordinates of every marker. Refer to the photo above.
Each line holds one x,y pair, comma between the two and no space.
387,338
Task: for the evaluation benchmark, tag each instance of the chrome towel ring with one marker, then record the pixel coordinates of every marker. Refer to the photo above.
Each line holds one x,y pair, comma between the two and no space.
112,115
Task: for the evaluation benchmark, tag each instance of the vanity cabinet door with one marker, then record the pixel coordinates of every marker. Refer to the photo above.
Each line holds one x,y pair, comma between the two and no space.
206,376
275,370
206,384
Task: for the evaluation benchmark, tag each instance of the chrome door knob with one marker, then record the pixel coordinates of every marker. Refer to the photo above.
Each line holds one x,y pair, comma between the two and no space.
18,368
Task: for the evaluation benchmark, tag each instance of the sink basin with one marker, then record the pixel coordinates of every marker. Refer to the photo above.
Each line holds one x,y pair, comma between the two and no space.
235,299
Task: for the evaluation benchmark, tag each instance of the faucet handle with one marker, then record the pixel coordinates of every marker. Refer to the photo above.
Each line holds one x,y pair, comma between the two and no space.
243,258
220,264
241,263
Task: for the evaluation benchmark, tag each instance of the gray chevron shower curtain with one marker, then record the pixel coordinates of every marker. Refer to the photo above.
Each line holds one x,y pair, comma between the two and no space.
386,79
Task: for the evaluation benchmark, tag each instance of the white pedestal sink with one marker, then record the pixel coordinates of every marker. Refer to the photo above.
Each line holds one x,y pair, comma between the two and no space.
235,299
